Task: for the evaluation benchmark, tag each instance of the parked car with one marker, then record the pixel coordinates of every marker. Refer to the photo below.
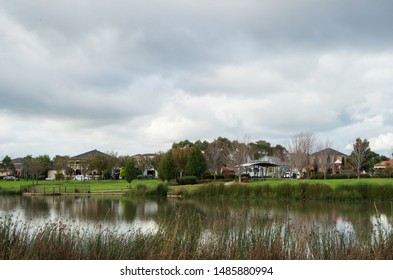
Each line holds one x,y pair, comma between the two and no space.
10,178
292,175
81,178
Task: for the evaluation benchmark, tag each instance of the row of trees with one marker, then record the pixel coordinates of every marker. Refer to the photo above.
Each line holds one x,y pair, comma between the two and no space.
194,159
181,159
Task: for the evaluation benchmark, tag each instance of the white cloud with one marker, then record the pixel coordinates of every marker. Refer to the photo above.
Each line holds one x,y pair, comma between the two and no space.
383,143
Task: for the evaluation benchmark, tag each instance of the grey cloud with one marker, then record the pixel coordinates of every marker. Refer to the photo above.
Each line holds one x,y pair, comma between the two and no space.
267,68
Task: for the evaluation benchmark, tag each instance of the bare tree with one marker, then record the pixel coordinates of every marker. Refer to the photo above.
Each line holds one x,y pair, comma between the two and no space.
217,153
240,153
360,154
324,158
300,148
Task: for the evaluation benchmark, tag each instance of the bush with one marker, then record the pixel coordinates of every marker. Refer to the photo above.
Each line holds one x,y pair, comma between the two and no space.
207,176
162,189
144,177
141,189
187,180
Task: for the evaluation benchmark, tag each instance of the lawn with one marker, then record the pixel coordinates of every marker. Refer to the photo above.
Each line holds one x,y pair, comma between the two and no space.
121,185
70,186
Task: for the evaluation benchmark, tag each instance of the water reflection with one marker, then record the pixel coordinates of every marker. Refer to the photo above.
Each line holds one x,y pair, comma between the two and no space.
122,214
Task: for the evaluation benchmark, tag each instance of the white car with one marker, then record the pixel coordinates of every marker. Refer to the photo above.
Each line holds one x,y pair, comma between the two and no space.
80,178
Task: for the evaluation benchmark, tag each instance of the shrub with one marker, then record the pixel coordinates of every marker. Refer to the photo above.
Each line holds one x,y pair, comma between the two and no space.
347,192
207,176
187,180
162,189
141,189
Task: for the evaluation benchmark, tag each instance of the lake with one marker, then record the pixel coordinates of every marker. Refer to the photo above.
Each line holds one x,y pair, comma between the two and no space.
121,214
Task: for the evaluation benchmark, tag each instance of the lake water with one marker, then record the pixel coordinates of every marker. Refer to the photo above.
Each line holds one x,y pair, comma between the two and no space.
121,214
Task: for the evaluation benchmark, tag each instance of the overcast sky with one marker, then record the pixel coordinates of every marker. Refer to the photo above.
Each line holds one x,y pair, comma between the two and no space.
134,76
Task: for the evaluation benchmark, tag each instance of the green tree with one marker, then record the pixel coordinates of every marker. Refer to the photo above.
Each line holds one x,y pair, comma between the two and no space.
130,171
196,163
61,166
7,164
182,144
180,156
36,167
100,162
360,154
280,152
263,148
202,145
167,167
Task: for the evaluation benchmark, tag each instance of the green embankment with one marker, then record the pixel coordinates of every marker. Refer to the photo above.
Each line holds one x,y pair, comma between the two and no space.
335,189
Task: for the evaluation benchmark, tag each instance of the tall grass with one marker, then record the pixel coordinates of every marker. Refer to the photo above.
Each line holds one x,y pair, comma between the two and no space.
184,235
300,191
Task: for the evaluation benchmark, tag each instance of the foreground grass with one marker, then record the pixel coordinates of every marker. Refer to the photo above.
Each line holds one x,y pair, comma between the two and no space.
182,235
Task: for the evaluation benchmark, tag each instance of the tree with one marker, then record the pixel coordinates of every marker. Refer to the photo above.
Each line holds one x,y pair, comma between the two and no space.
196,163
180,156
167,167
202,145
360,154
103,164
240,153
142,162
324,158
217,153
36,167
280,152
263,148
300,148
182,144
129,172
7,164
60,164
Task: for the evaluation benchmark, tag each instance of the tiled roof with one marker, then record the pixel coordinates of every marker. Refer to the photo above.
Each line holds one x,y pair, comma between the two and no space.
330,151
384,163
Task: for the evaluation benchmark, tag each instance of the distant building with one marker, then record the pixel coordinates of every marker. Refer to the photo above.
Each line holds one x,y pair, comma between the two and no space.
383,164
17,171
266,166
335,160
145,162
79,165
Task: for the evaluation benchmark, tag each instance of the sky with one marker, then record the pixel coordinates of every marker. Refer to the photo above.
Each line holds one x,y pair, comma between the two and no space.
131,76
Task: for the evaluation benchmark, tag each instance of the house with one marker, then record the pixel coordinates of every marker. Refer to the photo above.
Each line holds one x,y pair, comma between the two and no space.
266,166
16,171
383,164
80,165
144,162
334,161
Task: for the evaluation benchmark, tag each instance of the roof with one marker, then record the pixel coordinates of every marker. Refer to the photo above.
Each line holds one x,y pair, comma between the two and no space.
384,164
266,161
330,151
89,154
145,155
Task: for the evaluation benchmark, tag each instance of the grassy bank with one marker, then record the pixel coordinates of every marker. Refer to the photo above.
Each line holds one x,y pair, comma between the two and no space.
74,186
183,236
342,189
290,190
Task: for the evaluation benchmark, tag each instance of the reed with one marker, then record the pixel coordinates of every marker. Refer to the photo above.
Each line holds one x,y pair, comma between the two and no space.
186,235
299,191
